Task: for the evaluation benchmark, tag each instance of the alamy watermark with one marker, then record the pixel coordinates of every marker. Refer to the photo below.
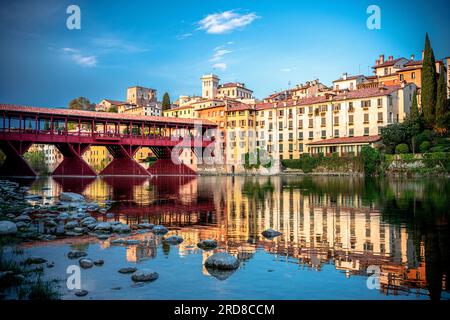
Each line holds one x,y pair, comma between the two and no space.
374,20
73,21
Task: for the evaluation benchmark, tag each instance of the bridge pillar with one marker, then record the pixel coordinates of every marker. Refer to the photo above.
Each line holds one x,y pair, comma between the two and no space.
73,164
123,162
165,166
15,164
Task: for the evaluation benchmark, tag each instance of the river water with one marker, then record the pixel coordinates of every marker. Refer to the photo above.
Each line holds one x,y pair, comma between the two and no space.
343,237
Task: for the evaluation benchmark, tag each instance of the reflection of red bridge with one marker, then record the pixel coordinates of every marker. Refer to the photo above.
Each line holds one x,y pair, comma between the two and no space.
74,131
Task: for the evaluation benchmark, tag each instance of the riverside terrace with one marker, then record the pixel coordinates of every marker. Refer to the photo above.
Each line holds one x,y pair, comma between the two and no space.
74,131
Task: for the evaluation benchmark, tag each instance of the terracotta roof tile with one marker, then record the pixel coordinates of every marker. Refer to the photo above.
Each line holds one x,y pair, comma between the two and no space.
346,140
101,115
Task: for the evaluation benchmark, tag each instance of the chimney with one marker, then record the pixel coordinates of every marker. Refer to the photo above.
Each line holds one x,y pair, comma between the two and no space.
381,58
377,62
423,53
344,76
412,57
391,58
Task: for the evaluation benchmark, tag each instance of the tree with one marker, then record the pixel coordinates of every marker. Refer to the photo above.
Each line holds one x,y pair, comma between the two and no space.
441,103
36,159
81,103
371,158
166,101
393,135
113,108
428,84
415,115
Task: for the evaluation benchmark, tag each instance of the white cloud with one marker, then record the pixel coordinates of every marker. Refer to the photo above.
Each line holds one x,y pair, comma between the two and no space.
78,58
221,66
227,21
116,44
184,36
219,54
286,70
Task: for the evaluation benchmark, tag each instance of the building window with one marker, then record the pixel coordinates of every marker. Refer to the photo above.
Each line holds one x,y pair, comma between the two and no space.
323,122
280,125
365,103
300,135
311,135
280,137
280,147
300,124
366,118
413,75
311,123
380,116
324,134
351,132
336,121
350,107
380,102
350,119
291,147
366,131
336,133
300,147
402,77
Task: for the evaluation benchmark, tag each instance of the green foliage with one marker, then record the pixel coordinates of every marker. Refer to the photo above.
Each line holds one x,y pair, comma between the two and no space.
429,85
442,104
254,160
371,158
81,103
308,163
166,101
393,135
401,148
36,159
113,108
425,146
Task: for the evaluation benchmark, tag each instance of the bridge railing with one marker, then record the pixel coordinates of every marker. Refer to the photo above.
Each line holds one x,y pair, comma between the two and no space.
104,135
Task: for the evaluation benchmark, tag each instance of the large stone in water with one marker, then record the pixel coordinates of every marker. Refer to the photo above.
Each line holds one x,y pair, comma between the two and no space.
7,228
207,244
104,226
270,233
75,254
222,261
86,263
144,275
160,230
127,270
71,197
121,228
173,240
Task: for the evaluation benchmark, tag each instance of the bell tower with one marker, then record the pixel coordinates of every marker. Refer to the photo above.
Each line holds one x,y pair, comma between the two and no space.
210,83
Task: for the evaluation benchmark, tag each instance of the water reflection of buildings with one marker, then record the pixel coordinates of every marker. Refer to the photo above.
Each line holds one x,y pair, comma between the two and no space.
323,228
338,227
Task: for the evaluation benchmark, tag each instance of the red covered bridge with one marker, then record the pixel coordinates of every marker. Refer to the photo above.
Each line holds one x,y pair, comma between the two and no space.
74,131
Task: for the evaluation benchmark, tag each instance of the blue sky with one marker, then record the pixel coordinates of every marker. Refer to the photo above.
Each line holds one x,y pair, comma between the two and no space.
168,45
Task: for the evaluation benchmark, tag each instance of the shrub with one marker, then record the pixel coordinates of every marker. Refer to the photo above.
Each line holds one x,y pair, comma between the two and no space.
401,148
371,159
425,146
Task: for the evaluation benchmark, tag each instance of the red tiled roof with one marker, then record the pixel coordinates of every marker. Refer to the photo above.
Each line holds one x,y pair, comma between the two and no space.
387,63
346,140
101,115
234,84
349,95
413,63
116,102
240,107
350,78
367,92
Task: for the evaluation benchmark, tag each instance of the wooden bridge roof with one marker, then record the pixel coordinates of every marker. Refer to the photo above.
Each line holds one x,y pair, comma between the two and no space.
104,115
